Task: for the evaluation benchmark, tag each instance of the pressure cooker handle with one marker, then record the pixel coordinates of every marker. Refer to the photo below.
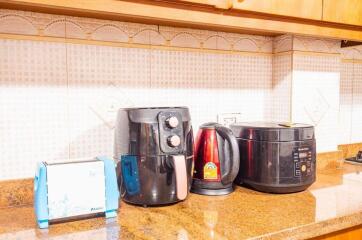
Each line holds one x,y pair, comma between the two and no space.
179,166
228,175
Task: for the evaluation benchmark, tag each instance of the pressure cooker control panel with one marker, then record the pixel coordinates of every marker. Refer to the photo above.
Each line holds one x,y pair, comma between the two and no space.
302,157
171,132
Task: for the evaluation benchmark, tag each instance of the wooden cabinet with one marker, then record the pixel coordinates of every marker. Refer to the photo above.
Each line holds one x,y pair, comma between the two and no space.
262,17
309,9
223,4
348,234
343,11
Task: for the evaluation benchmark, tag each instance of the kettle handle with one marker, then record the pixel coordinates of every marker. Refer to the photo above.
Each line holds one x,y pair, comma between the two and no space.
179,165
229,175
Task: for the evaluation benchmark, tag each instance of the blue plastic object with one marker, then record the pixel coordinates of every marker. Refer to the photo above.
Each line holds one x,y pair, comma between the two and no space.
40,194
112,193
130,174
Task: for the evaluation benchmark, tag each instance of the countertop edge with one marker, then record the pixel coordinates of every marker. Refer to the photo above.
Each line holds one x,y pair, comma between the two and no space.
309,231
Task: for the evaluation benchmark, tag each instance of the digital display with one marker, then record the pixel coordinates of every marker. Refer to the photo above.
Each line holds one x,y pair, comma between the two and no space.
303,155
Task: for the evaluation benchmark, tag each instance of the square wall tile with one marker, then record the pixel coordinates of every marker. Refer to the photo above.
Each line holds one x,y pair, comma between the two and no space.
211,83
102,80
346,102
243,85
315,97
181,78
278,103
356,135
33,106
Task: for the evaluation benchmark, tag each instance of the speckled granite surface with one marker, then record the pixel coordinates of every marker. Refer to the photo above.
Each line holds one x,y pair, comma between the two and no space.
329,160
350,150
333,203
16,192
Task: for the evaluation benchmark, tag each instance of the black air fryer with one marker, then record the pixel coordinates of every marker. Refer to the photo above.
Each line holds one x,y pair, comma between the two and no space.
155,149
276,157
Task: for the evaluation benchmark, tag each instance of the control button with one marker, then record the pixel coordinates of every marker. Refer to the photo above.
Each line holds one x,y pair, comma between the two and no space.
172,122
297,173
303,168
297,165
173,141
309,164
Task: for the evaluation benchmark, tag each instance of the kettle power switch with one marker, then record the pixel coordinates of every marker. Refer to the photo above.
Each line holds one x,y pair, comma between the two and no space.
173,141
172,122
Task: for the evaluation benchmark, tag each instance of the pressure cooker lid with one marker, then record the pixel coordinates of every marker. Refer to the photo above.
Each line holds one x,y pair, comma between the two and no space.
273,131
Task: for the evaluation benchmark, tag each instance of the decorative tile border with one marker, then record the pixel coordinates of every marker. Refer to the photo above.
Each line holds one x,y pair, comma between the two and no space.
47,26
58,26
354,53
317,45
302,44
282,44
127,45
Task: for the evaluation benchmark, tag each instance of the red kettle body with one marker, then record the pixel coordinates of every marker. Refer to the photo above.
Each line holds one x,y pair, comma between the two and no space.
217,160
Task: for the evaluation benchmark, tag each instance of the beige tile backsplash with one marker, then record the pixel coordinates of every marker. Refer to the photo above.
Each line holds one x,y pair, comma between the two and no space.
64,108
315,96
58,100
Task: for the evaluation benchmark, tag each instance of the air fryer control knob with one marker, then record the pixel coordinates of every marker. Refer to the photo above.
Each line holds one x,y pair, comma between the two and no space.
173,141
172,122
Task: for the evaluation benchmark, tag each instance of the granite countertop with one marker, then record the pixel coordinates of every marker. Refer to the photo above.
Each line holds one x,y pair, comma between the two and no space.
333,203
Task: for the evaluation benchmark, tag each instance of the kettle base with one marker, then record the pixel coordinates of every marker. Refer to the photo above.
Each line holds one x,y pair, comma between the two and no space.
212,192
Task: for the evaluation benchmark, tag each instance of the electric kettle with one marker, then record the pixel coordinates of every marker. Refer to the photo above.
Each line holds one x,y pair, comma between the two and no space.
155,150
216,160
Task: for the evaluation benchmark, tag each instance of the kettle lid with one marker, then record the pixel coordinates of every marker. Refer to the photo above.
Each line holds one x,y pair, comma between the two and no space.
210,125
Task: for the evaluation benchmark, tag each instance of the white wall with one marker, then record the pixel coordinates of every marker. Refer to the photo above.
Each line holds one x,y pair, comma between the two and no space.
351,96
315,97
56,99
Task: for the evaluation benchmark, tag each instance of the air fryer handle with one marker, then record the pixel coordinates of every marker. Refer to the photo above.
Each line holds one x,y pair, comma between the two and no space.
179,166
228,175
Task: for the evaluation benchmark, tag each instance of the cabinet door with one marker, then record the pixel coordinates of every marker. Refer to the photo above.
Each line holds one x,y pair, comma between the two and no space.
343,11
224,4
348,234
309,9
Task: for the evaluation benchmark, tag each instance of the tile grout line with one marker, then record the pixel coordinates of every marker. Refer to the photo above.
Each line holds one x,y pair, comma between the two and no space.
352,103
68,93
291,84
